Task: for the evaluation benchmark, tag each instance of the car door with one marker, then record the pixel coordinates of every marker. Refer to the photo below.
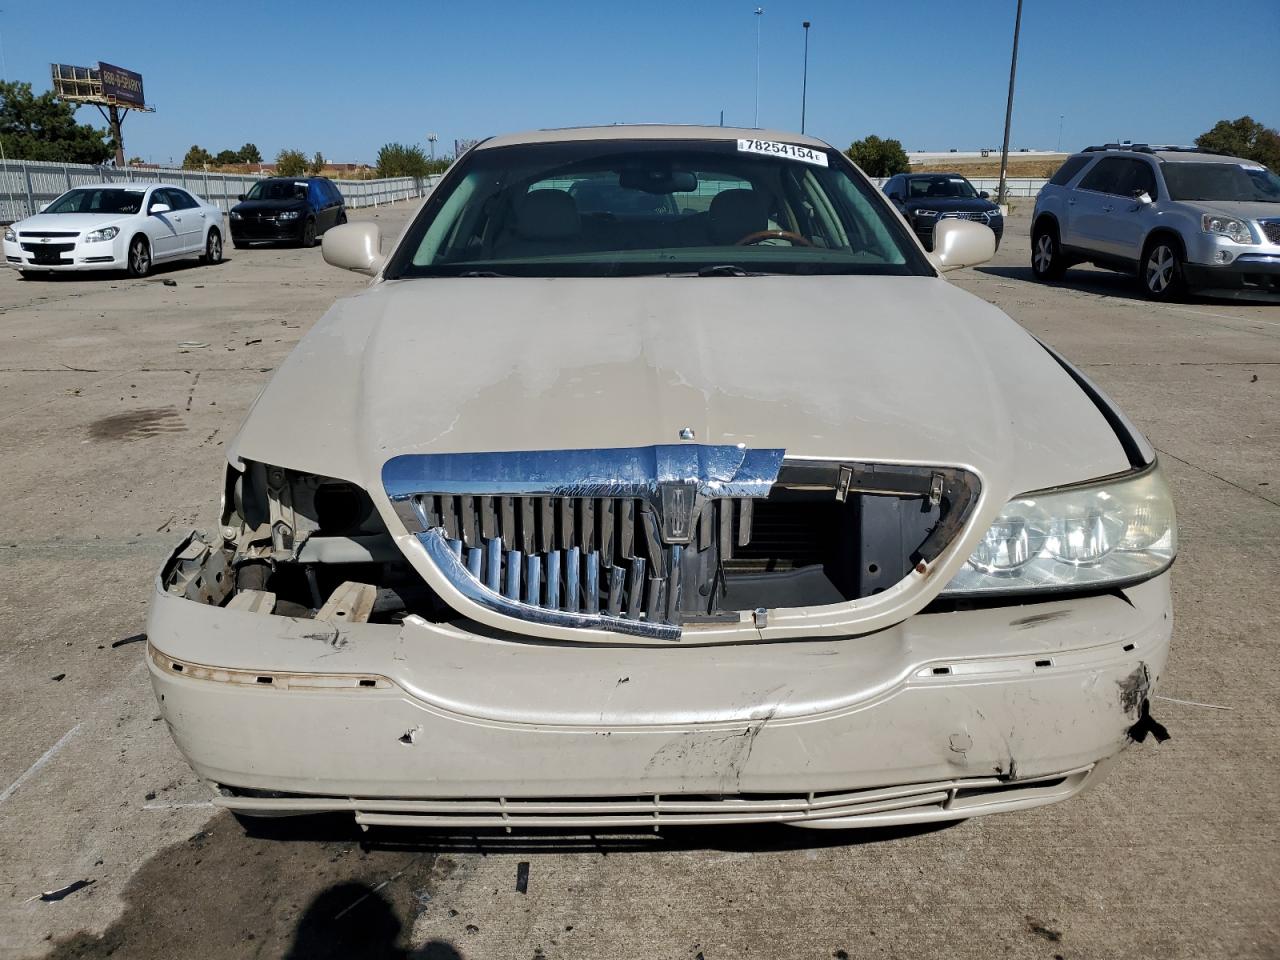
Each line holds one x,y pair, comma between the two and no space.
191,221
1130,219
162,227
1091,204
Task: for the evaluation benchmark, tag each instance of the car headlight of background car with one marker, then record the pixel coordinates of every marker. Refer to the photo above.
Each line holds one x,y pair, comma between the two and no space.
925,213
1230,227
10,235
1099,534
97,236
289,214
235,214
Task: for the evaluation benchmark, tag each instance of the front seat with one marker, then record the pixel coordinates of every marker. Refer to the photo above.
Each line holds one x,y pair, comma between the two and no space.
735,214
546,222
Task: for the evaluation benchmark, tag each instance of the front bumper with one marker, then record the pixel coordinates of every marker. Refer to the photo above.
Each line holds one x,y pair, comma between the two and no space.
944,716
73,254
1248,276
244,230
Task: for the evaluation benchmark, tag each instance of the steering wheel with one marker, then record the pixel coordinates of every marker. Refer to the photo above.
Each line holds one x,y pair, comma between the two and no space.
759,235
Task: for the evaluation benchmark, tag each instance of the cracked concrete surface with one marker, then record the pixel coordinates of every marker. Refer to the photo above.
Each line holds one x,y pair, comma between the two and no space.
112,422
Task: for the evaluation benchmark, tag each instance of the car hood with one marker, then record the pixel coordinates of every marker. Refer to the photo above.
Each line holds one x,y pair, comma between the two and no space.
977,205
68,222
1241,209
254,206
895,369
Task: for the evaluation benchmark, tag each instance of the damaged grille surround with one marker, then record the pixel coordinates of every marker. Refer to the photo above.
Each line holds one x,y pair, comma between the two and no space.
642,541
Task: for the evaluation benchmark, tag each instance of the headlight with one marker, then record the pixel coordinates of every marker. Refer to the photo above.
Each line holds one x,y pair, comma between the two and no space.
925,213
1094,535
289,214
106,233
1237,230
235,215
10,235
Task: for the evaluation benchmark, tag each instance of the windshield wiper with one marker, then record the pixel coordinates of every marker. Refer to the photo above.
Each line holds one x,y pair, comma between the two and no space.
481,273
726,270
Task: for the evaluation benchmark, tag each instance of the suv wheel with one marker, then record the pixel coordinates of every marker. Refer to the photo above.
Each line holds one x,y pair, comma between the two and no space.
1046,255
1161,273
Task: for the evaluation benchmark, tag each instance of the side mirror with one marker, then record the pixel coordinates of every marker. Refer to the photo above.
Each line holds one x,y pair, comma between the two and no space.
961,243
984,195
354,246
1142,197
896,197
158,208
240,197
45,206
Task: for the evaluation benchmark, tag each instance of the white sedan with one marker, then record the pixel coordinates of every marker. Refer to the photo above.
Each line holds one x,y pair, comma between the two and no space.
115,226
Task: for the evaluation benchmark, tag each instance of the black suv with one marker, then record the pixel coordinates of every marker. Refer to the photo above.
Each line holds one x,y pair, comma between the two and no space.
296,209
926,198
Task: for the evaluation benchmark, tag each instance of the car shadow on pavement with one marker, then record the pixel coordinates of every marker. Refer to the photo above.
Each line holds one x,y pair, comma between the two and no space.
1103,283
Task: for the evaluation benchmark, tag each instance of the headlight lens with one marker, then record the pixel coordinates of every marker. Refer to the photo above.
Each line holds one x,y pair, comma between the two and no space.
1236,230
106,233
235,214
10,235
1089,536
289,214
926,213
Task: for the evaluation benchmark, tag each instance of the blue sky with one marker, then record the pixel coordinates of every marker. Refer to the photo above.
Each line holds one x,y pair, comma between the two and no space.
323,76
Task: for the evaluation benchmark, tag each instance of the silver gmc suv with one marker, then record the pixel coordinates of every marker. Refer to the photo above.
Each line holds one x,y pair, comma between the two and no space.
1177,218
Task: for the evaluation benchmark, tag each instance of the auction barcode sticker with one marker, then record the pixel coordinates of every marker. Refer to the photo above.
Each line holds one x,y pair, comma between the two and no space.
771,148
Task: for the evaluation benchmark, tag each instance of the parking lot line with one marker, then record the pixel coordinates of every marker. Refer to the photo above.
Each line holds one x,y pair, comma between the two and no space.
35,767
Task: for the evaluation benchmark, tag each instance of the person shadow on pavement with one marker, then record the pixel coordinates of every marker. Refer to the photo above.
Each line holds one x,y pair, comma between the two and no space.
351,921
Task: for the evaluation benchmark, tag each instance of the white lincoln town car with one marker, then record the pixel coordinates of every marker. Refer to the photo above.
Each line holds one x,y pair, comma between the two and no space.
115,226
659,477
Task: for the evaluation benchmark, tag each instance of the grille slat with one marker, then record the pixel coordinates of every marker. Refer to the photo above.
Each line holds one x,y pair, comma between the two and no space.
1272,230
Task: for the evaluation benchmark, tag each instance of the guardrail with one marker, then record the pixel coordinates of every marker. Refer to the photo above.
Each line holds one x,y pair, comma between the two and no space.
26,185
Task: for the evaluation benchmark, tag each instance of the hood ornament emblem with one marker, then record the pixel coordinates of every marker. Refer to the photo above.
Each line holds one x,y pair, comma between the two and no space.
686,433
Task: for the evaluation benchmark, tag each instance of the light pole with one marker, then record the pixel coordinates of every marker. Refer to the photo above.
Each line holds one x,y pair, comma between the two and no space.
1061,117
804,84
756,118
1008,110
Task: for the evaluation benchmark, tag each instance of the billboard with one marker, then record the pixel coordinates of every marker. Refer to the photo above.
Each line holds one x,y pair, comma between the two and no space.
103,84
123,86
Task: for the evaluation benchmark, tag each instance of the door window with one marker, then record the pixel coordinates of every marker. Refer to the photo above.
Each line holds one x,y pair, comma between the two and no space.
1107,176
1068,170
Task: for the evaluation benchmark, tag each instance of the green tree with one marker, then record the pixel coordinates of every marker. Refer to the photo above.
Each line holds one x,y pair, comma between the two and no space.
45,128
249,154
226,157
402,160
1245,138
316,165
878,158
196,158
291,163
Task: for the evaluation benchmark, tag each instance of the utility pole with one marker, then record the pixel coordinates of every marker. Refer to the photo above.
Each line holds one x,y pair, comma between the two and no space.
431,139
756,119
1061,117
804,84
1008,110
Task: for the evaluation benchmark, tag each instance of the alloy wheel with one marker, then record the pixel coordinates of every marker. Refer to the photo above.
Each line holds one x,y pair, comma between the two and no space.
1044,253
1161,264
139,258
213,249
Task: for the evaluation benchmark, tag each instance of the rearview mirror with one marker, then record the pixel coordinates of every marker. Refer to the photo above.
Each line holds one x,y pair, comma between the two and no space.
158,208
658,181
354,246
961,243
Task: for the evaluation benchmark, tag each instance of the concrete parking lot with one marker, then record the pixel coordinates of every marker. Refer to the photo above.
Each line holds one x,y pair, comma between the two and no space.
116,397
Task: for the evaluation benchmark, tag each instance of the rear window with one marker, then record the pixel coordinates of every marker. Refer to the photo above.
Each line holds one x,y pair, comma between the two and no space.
1066,173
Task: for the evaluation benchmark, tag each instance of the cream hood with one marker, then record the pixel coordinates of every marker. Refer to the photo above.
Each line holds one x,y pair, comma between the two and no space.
894,369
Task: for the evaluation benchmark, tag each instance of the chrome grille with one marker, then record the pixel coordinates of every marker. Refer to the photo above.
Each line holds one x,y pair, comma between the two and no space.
1272,230
965,215
642,540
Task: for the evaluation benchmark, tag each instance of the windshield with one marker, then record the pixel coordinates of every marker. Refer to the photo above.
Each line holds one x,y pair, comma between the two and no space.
636,207
946,188
278,190
98,200
1221,181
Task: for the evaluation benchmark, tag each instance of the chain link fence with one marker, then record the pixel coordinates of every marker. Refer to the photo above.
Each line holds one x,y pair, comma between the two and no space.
27,185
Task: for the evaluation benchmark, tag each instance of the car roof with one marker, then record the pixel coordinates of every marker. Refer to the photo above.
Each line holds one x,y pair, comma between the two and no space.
1166,156
125,185
935,176
648,131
